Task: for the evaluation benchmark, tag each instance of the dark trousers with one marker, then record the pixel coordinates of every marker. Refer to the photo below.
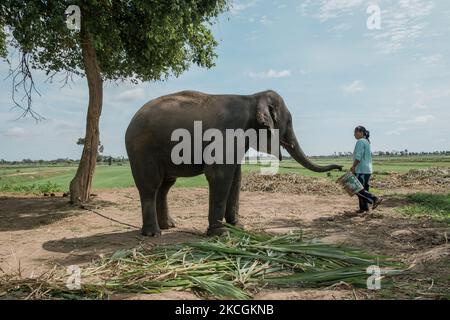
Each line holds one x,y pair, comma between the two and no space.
365,197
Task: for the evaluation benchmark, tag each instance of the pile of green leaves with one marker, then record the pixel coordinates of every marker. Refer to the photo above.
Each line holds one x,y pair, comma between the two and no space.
232,266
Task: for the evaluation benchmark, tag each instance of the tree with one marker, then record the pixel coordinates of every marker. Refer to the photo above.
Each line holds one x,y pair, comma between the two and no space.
100,149
135,40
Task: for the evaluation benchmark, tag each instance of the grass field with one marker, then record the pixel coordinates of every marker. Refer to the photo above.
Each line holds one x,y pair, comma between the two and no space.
436,206
57,178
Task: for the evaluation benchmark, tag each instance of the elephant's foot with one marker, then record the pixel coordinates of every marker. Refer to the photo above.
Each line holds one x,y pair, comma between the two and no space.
151,232
168,224
215,232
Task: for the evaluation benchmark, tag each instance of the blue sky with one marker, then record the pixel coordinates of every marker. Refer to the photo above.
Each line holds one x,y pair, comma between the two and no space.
333,72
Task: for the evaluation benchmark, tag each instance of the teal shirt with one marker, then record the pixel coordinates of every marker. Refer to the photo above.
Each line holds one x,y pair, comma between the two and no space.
364,155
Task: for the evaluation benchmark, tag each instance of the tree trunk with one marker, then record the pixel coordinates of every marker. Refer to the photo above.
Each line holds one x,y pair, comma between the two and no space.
80,186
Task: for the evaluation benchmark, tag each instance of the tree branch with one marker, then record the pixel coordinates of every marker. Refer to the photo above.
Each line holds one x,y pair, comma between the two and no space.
23,81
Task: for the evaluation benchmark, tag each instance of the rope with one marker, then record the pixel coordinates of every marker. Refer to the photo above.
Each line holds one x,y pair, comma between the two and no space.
108,218
130,225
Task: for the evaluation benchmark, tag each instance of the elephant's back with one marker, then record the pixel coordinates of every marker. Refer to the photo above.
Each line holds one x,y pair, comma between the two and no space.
159,117
176,102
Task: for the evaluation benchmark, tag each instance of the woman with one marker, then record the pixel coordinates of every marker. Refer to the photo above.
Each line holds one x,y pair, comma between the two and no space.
362,168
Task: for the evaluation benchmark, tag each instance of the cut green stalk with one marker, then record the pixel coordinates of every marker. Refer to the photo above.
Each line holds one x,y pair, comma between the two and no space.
223,268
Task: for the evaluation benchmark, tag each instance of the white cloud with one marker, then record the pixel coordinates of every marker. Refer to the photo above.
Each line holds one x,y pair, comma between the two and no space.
334,8
420,105
421,99
328,9
432,60
354,87
429,98
303,7
265,20
239,6
419,120
396,132
270,74
402,23
341,27
131,95
253,35
16,132
65,126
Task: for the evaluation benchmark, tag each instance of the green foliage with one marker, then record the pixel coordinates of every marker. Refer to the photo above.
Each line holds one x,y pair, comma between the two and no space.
49,187
436,206
140,39
2,41
232,266
40,188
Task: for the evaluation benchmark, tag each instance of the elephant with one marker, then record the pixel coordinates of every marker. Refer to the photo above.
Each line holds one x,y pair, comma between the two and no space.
149,144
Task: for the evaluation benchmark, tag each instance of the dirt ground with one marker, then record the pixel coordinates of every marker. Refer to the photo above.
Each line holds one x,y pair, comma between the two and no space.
37,233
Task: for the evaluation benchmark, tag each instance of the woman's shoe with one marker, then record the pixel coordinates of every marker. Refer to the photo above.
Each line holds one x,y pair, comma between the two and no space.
362,211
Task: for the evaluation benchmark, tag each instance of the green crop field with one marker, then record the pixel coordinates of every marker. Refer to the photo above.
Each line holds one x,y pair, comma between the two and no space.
41,178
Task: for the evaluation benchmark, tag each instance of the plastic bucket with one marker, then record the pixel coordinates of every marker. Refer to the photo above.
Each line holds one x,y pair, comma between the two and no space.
350,183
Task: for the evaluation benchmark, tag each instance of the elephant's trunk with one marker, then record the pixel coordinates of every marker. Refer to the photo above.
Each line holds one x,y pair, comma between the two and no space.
293,147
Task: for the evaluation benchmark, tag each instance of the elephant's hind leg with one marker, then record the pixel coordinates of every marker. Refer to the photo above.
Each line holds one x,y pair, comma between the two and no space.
164,219
148,182
150,225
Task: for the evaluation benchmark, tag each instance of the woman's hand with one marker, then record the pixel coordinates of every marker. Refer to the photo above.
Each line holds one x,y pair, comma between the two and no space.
355,164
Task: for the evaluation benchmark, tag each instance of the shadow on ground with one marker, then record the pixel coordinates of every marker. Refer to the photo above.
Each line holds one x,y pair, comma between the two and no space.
26,213
84,249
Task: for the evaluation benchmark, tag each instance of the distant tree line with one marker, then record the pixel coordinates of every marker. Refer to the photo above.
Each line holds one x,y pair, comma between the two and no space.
396,153
101,159
110,160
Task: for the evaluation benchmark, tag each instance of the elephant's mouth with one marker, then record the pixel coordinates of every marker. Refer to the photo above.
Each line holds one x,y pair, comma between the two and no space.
286,145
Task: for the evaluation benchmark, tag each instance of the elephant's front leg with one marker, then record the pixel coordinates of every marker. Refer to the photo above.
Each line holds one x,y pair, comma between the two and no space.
232,209
220,179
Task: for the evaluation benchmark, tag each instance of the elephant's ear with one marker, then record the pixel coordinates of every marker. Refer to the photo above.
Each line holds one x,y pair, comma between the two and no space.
265,113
